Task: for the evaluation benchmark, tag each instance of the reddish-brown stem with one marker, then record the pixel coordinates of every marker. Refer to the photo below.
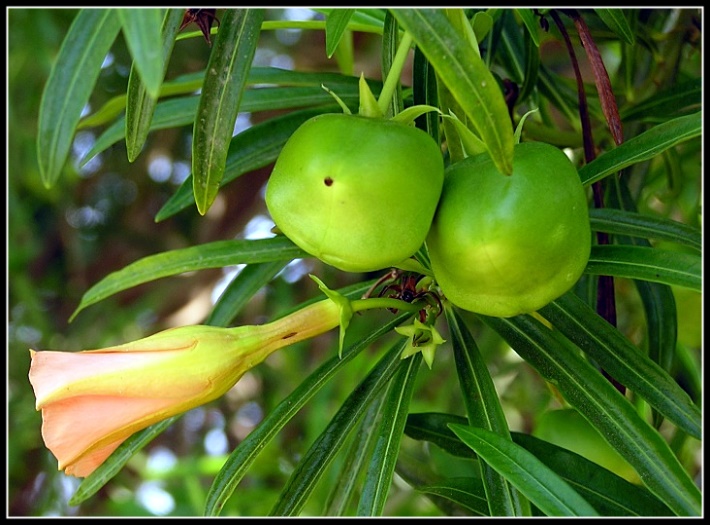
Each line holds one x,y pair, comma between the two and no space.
606,303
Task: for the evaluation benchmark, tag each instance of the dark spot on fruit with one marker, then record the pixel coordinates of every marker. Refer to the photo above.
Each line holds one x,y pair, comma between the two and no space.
289,336
328,181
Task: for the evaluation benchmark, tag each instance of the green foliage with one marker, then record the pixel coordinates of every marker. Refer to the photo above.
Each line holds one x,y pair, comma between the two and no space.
386,436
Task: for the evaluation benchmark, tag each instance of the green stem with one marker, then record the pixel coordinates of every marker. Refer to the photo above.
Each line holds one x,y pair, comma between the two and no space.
395,73
359,305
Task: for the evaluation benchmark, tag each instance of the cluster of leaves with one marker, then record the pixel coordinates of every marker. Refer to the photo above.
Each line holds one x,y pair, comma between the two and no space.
572,344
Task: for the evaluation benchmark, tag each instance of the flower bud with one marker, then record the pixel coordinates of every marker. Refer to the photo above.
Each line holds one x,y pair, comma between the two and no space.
91,401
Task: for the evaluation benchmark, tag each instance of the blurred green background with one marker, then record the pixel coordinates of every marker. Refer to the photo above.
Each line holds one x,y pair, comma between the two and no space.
100,218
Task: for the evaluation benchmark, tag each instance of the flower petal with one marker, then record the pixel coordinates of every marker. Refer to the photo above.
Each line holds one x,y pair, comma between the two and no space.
84,427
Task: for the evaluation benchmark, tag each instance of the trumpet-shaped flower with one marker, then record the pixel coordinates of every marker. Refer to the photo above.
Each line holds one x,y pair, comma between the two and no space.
91,401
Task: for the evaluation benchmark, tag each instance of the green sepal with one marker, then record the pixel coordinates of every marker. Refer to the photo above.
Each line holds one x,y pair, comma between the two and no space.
342,104
411,113
471,143
412,265
519,127
368,103
346,310
422,338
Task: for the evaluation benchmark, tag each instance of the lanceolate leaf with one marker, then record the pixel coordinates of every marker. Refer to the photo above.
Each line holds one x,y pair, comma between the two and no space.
483,410
623,361
181,111
142,31
222,88
531,23
467,77
642,147
335,25
609,494
647,264
241,289
347,484
658,299
140,100
70,85
199,257
244,455
559,362
251,149
545,489
616,21
314,462
466,492
379,476
634,224
189,83
682,97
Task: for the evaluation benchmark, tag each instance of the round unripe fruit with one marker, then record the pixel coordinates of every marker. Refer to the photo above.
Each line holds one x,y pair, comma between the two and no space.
358,193
505,245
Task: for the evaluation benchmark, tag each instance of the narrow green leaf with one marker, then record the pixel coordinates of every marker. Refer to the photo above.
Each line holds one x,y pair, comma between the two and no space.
466,492
140,102
483,410
248,450
365,17
251,279
532,68
608,493
531,24
192,82
682,97
92,483
142,32
222,88
424,93
335,25
347,484
616,21
389,435
647,264
466,76
314,462
390,45
541,485
623,361
200,257
658,299
642,147
251,149
434,427
634,224
69,86
182,111
560,363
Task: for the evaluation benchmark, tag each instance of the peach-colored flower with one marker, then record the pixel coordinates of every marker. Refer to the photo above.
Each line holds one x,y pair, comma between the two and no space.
91,401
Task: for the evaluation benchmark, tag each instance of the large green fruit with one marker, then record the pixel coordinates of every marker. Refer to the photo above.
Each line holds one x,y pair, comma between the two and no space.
505,245
358,193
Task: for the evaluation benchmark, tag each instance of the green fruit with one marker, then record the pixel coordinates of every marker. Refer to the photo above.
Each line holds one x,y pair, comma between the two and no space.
358,193
505,245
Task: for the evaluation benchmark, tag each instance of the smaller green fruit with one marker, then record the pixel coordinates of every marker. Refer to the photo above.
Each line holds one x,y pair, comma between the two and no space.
505,245
358,193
